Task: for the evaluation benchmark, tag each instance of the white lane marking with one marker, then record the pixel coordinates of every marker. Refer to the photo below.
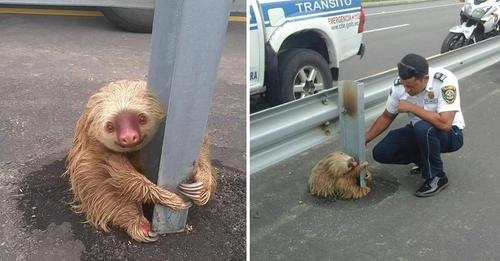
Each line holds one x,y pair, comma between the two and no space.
385,28
409,10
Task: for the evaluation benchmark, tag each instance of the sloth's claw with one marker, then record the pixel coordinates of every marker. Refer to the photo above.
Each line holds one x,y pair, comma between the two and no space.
191,186
189,195
204,199
190,190
351,163
149,239
196,192
144,233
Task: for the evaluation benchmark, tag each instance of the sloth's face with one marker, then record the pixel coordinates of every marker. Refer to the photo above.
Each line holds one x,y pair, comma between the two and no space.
124,115
342,163
127,131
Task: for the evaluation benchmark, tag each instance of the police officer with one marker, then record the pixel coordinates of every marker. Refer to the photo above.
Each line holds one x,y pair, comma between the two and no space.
431,99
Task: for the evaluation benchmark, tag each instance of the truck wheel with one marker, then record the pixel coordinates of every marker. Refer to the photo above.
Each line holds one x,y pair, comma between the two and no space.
301,72
130,19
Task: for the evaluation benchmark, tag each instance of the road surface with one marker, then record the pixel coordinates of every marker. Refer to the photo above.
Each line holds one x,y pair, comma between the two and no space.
49,66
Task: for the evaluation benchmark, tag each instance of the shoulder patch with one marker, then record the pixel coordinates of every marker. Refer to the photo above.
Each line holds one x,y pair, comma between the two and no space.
397,81
439,76
449,93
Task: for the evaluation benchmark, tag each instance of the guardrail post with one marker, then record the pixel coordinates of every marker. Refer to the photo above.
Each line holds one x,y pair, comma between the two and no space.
187,41
352,122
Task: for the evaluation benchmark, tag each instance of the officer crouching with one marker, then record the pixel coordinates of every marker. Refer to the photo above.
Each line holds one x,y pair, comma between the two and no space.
431,98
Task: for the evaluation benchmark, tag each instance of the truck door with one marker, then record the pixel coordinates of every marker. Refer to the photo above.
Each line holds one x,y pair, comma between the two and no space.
256,49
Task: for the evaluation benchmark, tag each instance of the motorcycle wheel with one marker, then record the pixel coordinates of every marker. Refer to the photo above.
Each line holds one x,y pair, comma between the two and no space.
453,41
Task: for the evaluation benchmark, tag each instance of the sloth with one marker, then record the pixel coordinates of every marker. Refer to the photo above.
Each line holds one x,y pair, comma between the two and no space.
336,176
103,164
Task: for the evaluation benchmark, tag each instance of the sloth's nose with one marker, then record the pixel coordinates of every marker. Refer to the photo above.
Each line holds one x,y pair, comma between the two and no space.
128,137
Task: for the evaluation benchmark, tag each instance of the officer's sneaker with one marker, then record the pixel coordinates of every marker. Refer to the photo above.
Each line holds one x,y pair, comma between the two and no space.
432,186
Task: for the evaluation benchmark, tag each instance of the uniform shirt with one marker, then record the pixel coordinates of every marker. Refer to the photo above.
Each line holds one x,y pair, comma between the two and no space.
441,94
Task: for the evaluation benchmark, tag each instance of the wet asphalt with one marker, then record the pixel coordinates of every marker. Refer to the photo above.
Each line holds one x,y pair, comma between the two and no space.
49,65
460,223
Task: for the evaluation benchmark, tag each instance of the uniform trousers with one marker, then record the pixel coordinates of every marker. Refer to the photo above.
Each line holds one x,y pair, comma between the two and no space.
421,144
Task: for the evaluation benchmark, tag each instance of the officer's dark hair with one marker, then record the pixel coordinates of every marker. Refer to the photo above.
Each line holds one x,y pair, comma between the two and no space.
413,65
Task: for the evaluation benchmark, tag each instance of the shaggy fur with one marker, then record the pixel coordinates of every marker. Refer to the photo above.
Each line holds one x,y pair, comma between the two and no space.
336,175
105,178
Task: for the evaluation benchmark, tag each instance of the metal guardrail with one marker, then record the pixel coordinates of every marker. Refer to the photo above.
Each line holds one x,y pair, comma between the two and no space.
286,130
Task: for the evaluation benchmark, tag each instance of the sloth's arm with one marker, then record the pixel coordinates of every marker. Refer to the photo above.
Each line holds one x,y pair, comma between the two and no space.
205,183
136,187
355,172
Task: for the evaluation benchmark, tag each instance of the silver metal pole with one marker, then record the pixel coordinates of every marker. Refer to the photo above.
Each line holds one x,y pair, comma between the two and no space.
188,37
352,122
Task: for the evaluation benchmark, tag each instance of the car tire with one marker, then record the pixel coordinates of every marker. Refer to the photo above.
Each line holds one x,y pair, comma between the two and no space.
130,19
290,64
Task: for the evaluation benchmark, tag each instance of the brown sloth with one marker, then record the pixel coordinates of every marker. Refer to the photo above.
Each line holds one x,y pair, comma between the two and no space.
337,175
104,168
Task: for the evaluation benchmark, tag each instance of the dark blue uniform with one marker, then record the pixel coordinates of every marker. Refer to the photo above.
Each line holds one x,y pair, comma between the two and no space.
420,142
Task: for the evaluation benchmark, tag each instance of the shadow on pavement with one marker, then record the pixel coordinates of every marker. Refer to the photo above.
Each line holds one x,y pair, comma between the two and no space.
218,230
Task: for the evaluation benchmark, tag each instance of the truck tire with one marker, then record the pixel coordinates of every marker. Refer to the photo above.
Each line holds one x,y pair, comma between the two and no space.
130,19
301,72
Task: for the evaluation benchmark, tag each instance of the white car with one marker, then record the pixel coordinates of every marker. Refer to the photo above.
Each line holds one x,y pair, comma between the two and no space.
296,46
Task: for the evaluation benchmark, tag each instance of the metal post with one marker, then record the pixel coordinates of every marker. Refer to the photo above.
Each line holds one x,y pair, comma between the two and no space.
188,37
352,122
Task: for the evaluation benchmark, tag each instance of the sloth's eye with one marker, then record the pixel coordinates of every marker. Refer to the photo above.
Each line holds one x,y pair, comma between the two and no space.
142,118
109,127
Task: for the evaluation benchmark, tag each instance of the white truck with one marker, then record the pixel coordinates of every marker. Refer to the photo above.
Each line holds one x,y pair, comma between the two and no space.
296,45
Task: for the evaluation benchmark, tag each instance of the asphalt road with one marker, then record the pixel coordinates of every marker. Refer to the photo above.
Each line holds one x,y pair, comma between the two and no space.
393,31
460,223
49,66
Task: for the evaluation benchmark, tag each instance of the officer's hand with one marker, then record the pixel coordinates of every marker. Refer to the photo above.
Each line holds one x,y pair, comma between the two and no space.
405,106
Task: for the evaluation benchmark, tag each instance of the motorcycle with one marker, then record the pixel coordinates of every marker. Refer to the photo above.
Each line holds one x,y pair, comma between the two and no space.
479,21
